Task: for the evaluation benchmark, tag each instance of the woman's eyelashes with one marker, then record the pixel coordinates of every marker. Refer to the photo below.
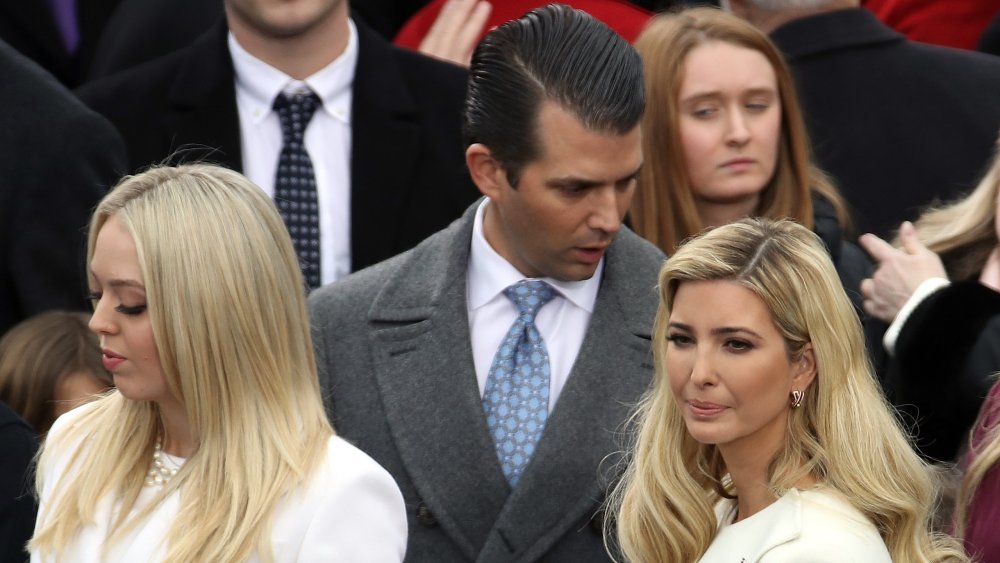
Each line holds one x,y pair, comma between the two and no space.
679,339
131,310
736,345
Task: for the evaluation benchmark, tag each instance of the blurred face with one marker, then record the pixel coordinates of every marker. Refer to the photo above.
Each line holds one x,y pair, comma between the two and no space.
729,369
730,125
569,202
121,319
283,18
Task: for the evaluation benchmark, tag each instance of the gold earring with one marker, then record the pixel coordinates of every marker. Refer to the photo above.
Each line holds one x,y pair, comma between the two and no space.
797,397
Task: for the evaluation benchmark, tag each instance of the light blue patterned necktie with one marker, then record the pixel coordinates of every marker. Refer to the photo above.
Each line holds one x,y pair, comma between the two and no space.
516,398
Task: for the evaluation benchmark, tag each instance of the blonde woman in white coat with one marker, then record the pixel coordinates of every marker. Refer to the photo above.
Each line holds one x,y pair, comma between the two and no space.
765,437
214,446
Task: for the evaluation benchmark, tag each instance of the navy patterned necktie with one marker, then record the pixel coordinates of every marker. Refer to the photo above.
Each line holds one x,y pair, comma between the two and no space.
516,398
295,182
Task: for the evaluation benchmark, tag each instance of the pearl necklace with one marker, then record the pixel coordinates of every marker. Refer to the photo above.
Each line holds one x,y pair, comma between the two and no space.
159,473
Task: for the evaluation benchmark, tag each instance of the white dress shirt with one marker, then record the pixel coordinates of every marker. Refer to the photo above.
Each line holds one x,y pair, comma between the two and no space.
327,140
562,322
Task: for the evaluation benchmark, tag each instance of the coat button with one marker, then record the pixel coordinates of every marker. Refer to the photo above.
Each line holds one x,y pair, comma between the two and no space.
425,517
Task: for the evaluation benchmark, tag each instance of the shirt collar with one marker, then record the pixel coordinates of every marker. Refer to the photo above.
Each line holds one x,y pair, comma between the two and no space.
489,273
260,82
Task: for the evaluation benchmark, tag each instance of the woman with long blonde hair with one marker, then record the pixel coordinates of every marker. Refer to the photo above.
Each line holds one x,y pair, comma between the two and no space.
765,436
724,138
215,445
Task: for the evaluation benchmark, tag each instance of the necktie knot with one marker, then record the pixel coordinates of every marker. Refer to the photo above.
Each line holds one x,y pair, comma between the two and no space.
528,297
294,112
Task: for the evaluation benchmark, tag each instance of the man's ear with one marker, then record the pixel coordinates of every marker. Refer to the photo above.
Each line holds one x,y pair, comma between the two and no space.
804,368
485,170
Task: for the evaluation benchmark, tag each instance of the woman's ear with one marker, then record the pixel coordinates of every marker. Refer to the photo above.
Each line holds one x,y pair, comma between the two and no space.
804,368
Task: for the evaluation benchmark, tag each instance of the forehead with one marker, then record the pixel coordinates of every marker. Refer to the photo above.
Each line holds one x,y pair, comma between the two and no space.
568,148
115,255
720,303
718,66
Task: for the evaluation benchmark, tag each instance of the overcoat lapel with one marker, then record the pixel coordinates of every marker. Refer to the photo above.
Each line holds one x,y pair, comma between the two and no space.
426,376
202,111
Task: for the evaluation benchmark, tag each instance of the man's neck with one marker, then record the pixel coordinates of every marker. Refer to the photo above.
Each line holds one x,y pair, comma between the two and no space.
300,55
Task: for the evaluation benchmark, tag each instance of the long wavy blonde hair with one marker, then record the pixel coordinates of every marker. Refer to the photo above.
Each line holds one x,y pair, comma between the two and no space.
844,435
663,210
227,307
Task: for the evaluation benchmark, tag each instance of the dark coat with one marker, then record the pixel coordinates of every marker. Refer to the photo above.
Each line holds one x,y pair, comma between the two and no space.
29,27
60,160
408,176
896,123
946,357
17,502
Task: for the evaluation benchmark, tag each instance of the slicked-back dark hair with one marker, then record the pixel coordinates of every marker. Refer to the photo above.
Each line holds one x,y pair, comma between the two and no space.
551,53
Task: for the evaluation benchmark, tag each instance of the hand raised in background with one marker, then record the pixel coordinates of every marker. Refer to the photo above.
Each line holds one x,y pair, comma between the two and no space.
456,31
899,271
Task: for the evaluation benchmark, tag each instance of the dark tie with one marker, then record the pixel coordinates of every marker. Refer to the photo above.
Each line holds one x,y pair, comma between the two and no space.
516,397
295,182
64,16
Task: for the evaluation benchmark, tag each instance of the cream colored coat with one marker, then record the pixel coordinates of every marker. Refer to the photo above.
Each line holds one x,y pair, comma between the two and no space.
813,526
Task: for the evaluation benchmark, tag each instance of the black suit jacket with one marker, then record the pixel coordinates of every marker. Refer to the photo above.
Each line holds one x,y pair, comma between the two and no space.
17,503
897,123
59,159
408,176
28,26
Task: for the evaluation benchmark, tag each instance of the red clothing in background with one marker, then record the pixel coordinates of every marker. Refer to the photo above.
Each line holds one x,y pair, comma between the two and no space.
623,17
981,538
953,23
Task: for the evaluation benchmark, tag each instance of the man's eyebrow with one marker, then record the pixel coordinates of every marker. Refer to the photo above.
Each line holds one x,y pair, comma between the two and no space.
567,181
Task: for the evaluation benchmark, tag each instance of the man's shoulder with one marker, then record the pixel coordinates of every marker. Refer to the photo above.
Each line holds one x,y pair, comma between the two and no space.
411,269
136,86
634,256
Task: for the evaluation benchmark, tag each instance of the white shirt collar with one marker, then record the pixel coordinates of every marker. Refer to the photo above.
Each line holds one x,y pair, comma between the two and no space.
261,82
489,273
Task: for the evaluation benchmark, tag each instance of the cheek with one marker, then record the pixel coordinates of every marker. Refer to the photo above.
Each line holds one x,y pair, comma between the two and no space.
771,135
678,371
698,145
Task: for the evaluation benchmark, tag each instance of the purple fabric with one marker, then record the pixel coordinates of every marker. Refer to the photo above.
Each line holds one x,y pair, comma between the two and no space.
981,538
64,15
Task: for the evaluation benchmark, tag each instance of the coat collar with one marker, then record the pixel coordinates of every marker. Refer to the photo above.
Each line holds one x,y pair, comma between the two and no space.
812,35
782,520
201,103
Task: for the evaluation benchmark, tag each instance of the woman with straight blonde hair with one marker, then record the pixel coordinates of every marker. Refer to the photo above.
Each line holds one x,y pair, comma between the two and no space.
214,446
765,437
724,138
